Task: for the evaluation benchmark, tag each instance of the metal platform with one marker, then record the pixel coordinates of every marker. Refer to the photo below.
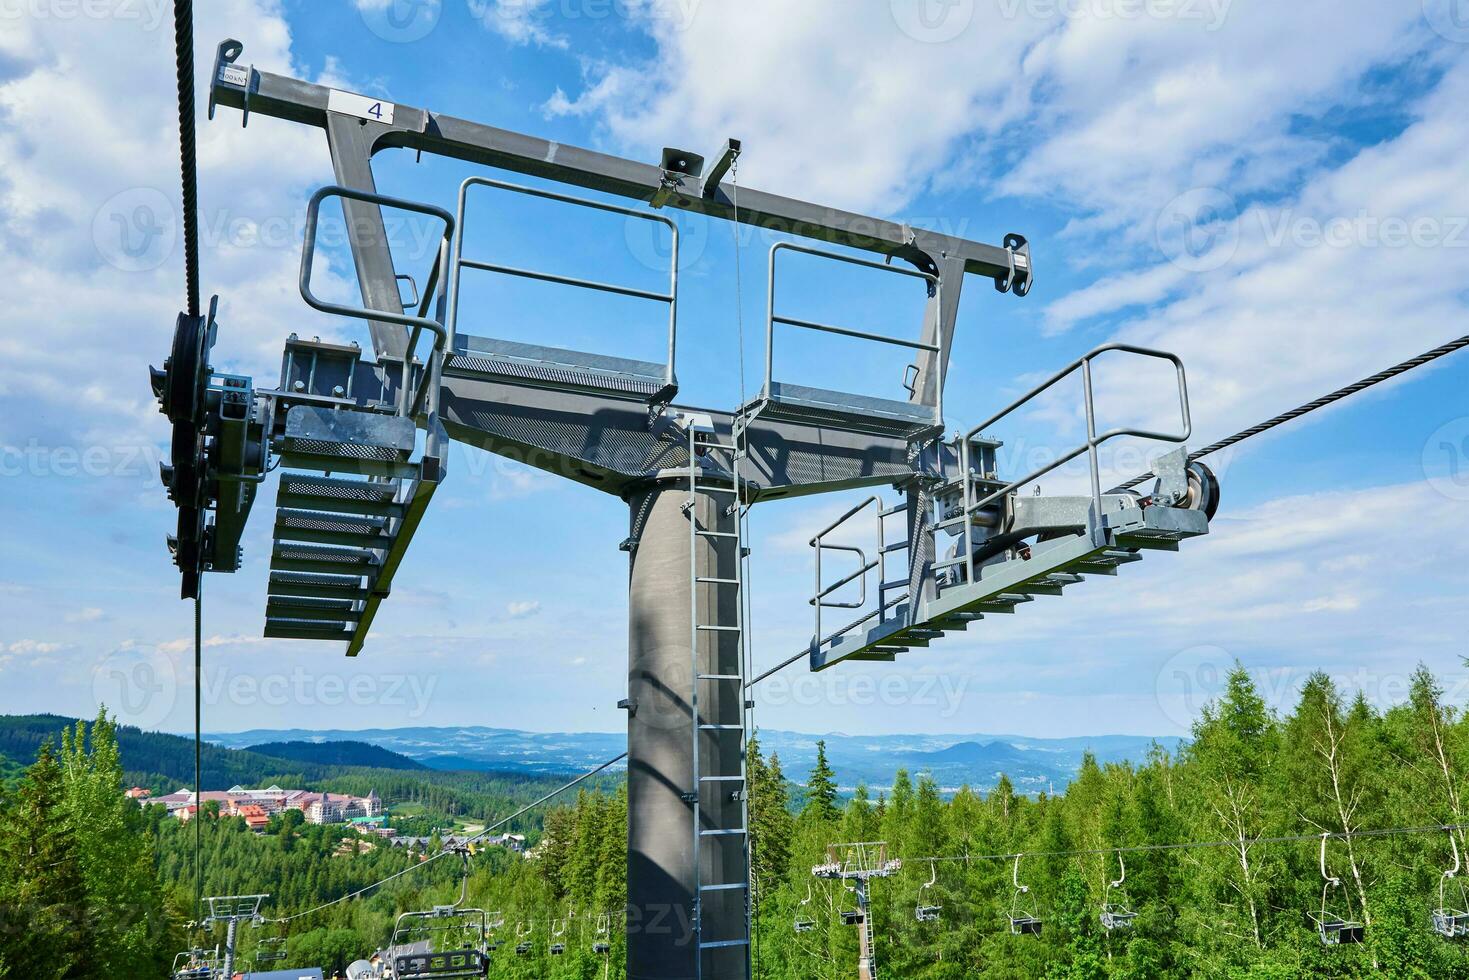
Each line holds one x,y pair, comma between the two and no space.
558,368
783,401
555,367
1003,586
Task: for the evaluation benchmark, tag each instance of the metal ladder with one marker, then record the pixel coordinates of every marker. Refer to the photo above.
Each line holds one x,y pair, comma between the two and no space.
702,440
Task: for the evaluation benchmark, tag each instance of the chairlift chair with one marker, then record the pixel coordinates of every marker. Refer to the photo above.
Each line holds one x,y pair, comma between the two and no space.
523,931
1115,913
601,946
1451,923
1333,929
802,924
558,929
928,913
275,949
1024,916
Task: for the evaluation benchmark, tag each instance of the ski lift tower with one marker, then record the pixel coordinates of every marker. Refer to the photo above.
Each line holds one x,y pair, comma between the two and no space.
855,865
356,479
232,910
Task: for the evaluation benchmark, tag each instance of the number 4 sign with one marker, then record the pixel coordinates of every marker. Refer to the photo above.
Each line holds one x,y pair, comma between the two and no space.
360,106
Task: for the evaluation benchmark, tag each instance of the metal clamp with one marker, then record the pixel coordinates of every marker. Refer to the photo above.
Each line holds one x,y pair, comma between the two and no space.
1020,275
1093,440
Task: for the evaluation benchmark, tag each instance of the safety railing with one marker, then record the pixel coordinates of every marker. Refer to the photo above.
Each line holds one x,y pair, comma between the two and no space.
820,598
973,503
426,396
772,318
670,297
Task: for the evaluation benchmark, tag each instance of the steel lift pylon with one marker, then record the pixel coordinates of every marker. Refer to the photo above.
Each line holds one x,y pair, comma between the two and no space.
361,441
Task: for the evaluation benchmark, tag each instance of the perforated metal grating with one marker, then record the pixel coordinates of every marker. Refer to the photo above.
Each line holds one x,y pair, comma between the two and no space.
345,450
306,521
337,489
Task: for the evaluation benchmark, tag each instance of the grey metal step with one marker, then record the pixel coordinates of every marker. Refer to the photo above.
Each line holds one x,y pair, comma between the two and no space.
365,465
306,584
291,608
318,527
286,557
298,491
332,441
296,629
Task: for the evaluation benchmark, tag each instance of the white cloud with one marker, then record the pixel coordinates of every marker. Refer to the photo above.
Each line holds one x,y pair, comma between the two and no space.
837,106
28,646
90,614
522,608
519,21
89,224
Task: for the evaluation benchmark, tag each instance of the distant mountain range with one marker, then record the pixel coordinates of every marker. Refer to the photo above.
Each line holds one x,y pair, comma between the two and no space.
977,760
334,753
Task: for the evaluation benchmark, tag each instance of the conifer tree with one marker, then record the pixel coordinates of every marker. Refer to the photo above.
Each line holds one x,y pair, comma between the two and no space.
45,921
821,790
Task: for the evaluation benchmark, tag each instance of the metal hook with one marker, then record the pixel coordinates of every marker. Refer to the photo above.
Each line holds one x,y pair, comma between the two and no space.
1324,874
1121,864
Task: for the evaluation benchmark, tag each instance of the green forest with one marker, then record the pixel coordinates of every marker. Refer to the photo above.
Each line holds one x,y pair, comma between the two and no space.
93,886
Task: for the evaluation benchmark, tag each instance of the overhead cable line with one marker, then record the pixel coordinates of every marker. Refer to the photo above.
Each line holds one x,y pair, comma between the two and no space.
1322,402
1193,845
443,853
183,42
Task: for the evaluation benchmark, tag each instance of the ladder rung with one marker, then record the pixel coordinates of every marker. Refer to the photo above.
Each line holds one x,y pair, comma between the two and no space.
734,832
729,887
721,728
721,779
888,549
724,943
718,629
711,580
717,534
721,677
728,490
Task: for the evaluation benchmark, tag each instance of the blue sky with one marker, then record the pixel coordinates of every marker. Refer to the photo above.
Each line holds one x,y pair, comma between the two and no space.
1275,192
